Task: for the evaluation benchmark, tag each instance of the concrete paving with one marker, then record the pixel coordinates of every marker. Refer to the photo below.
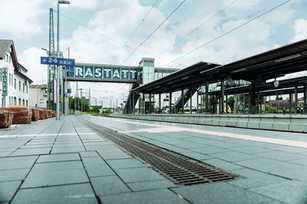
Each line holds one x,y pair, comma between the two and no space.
68,162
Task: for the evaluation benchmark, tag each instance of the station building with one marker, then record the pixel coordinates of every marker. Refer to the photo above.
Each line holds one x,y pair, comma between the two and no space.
14,83
38,96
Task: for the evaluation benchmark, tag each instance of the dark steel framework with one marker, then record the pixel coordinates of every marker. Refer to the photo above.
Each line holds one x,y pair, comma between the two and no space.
256,70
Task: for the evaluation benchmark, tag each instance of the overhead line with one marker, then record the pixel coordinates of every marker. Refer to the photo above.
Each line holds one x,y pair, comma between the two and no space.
155,30
143,19
230,31
210,16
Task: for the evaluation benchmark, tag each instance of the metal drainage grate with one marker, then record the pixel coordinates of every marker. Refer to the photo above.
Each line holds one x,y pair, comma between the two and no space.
178,168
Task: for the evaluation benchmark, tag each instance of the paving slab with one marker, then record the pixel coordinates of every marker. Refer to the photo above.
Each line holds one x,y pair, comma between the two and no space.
58,158
221,193
251,179
282,155
58,173
13,174
114,155
67,149
139,175
283,169
145,197
17,162
228,166
210,149
88,154
194,155
33,151
150,185
7,190
233,156
95,167
68,194
125,163
108,185
290,192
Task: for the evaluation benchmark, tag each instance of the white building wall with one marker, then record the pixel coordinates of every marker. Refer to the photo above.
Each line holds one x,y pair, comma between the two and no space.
18,87
38,97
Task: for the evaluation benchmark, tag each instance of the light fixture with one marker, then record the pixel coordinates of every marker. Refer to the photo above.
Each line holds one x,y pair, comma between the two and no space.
283,59
63,2
276,83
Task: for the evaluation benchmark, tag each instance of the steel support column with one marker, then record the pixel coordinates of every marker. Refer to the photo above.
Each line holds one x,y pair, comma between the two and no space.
140,105
197,101
226,103
207,97
252,99
133,104
143,101
222,97
160,103
291,102
182,96
191,104
296,98
170,102
150,110
305,98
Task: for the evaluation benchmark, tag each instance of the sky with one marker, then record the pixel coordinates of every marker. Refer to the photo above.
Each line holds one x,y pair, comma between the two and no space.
107,32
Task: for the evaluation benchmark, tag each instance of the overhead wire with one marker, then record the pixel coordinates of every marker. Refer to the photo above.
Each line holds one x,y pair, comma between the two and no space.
204,20
155,4
237,27
155,30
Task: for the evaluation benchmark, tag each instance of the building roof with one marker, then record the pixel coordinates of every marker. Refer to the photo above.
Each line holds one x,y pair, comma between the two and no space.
4,47
21,74
181,79
259,68
271,64
38,86
266,88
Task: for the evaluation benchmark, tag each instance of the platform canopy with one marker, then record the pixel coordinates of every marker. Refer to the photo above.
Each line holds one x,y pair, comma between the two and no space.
267,88
256,69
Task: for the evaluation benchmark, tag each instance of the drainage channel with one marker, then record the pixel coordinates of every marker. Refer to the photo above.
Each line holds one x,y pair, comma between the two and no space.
178,168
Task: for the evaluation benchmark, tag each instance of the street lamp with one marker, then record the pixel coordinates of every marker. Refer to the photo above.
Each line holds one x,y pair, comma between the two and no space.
58,54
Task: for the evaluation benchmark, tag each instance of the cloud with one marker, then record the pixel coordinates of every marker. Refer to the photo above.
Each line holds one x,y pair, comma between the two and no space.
30,58
110,35
20,18
84,4
106,40
300,30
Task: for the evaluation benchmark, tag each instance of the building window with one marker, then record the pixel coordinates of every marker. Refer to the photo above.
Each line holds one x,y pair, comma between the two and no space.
19,101
11,79
15,101
15,84
23,102
19,85
23,87
27,103
7,56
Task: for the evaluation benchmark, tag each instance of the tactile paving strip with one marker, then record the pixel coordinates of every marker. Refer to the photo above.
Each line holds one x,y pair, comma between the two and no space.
178,168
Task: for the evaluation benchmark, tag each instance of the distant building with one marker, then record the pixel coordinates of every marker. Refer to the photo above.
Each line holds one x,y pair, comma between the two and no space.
38,96
14,85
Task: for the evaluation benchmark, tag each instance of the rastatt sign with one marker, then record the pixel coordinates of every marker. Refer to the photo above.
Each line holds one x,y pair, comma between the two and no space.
103,73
